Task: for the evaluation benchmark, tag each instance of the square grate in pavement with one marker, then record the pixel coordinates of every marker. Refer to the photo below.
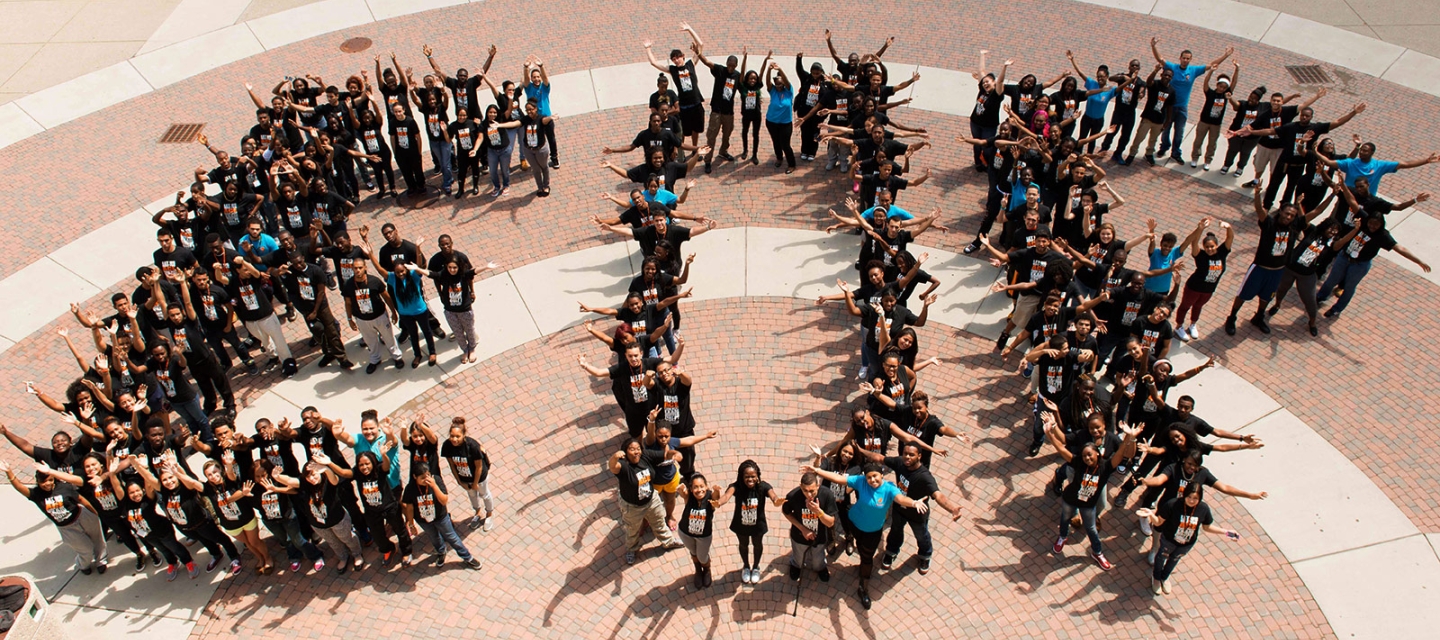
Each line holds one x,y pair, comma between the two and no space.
1308,74
181,133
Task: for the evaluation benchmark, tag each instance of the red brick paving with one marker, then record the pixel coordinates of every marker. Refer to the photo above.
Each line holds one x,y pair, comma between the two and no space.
781,382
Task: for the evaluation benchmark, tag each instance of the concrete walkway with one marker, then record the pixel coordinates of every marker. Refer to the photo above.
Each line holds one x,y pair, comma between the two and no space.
1370,570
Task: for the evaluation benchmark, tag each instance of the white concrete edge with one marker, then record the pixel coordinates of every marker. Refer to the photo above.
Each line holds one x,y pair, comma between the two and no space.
1396,64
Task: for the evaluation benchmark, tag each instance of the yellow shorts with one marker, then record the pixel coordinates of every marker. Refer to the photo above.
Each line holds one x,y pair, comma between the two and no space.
670,487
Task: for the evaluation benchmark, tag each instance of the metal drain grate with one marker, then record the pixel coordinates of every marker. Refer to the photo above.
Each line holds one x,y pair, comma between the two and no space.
355,45
182,133
1308,74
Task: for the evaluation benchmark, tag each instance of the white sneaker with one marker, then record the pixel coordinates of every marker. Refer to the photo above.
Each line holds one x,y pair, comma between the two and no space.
1194,332
864,374
1165,586
1146,529
744,576
1225,169
1238,172
1206,167
1182,334
1155,586
1193,164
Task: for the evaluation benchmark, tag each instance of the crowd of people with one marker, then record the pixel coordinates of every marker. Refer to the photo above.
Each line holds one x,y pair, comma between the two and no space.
1093,334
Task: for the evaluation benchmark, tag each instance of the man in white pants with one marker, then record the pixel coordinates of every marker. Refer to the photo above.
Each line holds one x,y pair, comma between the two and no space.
253,306
366,303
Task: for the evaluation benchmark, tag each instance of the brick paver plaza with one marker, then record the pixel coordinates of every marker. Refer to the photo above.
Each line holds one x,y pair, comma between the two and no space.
774,375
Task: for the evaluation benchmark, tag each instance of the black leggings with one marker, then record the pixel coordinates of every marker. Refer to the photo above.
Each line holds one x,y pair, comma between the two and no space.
1239,148
214,539
746,540
411,169
749,129
1124,117
465,164
123,533
867,543
810,137
168,546
780,133
384,171
377,518
408,326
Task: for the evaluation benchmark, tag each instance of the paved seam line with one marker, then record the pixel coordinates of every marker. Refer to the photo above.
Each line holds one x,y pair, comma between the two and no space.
72,271
509,273
594,92
368,9
1272,412
252,33
132,611
128,63
1363,546
1269,27
1392,63
31,116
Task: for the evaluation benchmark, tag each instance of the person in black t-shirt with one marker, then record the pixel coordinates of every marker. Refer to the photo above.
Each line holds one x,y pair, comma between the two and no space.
654,136
1212,114
630,383
305,283
187,335
1279,233
633,466
405,140
722,101
812,512
1354,258
71,514
1297,139
1090,473
1211,258
1310,257
1179,522
1159,98
697,525
463,86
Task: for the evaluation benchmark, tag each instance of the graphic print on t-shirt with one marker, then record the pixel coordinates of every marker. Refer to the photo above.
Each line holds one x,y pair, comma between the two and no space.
637,387
270,502
138,524
55,506
1282,242
370,491
1089,483
749,511
695,521
642,484
1185,530
177,514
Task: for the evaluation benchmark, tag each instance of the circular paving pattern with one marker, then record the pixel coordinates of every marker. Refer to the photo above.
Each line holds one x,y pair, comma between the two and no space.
773,376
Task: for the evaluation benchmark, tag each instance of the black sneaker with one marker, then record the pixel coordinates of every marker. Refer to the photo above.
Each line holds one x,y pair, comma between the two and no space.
399,363
139,564
87,571
274,362
472,563
864,598
924,566
1150,159
1314,331
794,572
824,575
554,164
708,168
324,361
1164,148
290,368
251,368
346,364
155,558
1259,322
439,560
1331,312
887,561
1230,325
972,247
1000,343
370,368
727,157
1034,449
1270,313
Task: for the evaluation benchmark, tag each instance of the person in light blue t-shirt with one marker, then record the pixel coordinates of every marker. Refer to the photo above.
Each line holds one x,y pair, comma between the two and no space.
1097,100
539,90
873,497
780,113
1165,255
1365,164
1183,76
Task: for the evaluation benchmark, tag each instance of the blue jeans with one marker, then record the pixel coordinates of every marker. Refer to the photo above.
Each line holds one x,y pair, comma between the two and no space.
199,423
919,524
1037,429
1178,115
1345,272
442,533
669,336
1087,517
444,159
499,166
1167,557
868,356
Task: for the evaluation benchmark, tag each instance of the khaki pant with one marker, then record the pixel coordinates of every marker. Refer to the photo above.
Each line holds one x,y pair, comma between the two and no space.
1027,305
653,512
84,538
1210,133
719,121
1265,160
1147,129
